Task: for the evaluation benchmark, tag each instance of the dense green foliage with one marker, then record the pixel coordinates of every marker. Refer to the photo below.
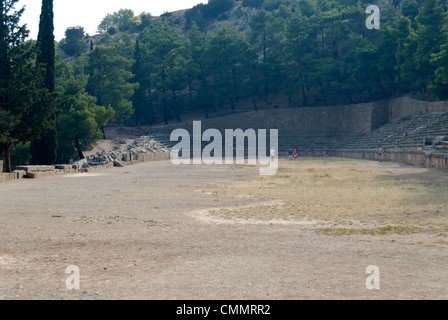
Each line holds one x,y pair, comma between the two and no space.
27,108
123,20
144,70
74,42
202,13
315,52
79,125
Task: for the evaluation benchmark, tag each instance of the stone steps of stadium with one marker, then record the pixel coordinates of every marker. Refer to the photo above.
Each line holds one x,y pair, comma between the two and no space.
422,132
408,134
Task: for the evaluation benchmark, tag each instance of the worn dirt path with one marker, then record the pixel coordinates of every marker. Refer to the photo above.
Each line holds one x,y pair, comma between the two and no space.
134,233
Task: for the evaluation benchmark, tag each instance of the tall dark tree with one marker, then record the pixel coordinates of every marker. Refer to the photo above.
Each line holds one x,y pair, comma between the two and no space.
430,36
110,79
167,53
26,107
79,125
414,56
45,38
296,49
228,65
43,150
141,100
74,41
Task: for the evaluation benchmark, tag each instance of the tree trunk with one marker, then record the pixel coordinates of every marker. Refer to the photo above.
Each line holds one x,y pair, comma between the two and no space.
7,149
232,104
151,108
165,107
78,148
302,86
349,96
190,88
165,110
176,106
322,92
255,102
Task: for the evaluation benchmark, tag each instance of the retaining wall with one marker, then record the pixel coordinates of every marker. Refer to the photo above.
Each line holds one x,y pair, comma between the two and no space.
407,107
419,159
33,172
334,120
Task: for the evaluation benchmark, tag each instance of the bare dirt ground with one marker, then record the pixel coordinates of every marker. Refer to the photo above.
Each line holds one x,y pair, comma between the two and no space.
159,231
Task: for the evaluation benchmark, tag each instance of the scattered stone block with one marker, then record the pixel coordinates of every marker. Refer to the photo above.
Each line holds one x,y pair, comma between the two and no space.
118,163
143,157
36,168
127,157
19,173
120,141
31,175
143,149
10,176
63,166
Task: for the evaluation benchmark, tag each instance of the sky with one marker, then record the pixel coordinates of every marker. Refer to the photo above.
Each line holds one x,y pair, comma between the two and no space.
89,13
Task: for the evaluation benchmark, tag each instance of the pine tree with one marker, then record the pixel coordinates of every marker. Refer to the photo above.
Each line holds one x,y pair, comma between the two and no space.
74,42
141,98
414,56
80,123
109,79
296,51
440,87
429,38
43,150
166,51
440,60
227,62
263,41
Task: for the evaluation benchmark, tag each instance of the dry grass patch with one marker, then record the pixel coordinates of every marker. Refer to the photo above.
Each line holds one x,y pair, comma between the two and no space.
374,231
366,196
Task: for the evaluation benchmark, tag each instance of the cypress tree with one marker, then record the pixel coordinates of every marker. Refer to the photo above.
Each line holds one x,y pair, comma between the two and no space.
26,107
46,42
43,150
4,59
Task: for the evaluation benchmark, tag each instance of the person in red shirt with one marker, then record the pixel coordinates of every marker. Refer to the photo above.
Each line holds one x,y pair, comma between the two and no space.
290,154
296,154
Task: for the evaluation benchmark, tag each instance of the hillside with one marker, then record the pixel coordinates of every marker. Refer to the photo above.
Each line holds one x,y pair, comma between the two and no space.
238,17
232,56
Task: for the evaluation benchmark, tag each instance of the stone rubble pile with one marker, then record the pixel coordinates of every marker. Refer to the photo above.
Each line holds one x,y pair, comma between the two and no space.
145,144
142,149
118,141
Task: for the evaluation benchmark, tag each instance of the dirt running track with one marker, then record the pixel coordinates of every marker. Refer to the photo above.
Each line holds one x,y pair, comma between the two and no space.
134,233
